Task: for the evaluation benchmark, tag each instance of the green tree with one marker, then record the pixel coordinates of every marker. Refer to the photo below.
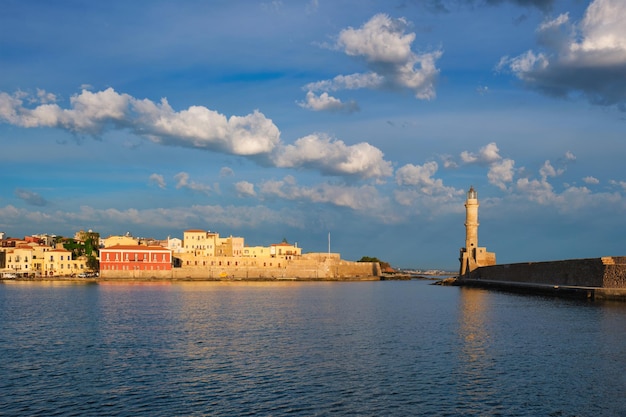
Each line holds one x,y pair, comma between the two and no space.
384,265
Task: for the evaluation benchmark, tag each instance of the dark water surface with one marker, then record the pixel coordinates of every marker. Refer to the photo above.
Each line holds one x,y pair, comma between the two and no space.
401,348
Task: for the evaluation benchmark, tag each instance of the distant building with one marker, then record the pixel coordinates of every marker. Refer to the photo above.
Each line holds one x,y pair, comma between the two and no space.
200,242
174,244
472,256
229,246
285,250
119,240
135,258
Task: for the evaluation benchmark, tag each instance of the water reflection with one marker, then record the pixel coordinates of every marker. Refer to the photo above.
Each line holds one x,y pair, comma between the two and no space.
476,362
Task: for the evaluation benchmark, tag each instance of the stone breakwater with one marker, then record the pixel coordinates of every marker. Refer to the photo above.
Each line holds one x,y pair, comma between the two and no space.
591,278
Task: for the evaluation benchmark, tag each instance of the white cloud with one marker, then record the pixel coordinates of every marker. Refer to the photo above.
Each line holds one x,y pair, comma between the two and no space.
158,180
44,97
587,58
591,180
326,102
381,39
547,170
365,198
386,48
200,127
253,135
621,184
182,181
486,155
348,82
245,189
501,170
420,177
334,157
197,127
501,173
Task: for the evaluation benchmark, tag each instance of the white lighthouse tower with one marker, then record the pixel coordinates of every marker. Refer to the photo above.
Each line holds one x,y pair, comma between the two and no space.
471,255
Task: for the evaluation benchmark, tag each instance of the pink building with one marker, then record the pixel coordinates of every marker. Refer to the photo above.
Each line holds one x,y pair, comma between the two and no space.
135,257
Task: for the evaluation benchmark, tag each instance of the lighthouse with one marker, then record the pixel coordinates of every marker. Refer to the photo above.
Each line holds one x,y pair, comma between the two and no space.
472,256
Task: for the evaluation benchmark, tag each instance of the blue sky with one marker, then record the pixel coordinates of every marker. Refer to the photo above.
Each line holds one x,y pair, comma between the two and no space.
368,120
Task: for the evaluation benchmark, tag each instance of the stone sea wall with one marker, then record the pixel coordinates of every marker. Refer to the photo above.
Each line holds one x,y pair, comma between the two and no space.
605,272
308,268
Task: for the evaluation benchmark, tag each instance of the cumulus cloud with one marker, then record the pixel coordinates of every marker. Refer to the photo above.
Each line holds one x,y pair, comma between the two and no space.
486,155
334,157
569,200
420,177
621,184
245,189
501,170
591,180
30,197
253,136
198,127
362,198
501,173
158,180
385,46
182,181
587,58
326,102
547,170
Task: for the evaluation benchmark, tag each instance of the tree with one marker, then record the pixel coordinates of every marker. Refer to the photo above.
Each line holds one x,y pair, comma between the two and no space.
383,265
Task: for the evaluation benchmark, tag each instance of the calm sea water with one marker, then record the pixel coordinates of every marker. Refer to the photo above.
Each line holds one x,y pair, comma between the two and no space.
402,348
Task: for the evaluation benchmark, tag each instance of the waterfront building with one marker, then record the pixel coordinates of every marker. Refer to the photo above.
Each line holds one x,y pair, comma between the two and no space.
256,252
174,244
285,250
472,256
135,258
200,242
229,246
125,240
41,260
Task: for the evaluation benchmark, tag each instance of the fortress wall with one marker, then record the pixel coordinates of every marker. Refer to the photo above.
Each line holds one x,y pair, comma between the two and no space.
306,269
575,272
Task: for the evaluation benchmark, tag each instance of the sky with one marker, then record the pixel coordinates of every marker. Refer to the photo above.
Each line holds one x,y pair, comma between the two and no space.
366,121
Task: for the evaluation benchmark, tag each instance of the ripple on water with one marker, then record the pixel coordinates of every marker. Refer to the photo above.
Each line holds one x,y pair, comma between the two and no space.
366,349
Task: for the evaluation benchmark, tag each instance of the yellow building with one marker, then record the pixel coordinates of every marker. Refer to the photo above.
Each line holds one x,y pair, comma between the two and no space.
285,250
42,260
229,246
256,251
200,242
126,240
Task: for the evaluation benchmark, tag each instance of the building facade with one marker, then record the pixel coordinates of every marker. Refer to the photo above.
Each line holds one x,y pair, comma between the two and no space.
135,258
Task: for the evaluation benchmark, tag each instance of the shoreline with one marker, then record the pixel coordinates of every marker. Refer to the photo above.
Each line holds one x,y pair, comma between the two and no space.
207,279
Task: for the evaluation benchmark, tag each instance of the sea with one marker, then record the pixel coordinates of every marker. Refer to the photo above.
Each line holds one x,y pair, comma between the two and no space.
381,348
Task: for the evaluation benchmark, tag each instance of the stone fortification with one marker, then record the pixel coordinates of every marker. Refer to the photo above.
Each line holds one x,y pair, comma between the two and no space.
315,266
606,272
